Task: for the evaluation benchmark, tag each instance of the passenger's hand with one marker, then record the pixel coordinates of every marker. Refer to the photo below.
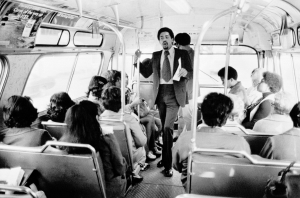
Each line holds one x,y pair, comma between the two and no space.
137,55
136,101
182,72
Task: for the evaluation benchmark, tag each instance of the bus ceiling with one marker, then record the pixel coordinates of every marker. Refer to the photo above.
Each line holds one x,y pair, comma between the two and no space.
76,23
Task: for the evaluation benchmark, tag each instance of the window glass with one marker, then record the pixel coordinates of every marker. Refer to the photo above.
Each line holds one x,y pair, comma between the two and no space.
87,39
87,65
211,64
287,73
296,59
47,36
50,74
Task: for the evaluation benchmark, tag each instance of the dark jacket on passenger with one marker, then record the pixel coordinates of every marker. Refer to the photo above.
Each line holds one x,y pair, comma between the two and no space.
27,136
259,110
179,86
114,166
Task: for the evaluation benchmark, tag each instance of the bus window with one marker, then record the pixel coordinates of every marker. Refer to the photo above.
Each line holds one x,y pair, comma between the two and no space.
50,74
87,65
212,59
296,59
287,74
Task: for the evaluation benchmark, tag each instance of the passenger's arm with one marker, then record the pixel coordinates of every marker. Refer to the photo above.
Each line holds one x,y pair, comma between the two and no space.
138,136
145,69
267,150
187,64
118,161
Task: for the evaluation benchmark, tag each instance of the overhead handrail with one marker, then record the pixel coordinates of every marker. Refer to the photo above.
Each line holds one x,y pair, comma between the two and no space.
22,189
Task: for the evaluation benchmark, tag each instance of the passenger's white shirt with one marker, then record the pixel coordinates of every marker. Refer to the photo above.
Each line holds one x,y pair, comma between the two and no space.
253,95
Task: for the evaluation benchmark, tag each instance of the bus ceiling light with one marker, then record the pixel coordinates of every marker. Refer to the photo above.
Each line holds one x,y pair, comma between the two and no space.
179,6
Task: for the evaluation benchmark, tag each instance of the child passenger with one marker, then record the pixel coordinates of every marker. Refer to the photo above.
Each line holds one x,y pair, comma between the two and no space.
18,115
84,128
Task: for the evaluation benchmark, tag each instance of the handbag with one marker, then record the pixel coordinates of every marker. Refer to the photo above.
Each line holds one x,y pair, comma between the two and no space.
277,188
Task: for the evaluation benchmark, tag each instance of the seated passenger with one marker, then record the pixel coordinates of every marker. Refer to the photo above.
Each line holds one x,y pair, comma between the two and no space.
269,85
59,104
111,98
94,91
235,86
285,146
252,93
84,128
215,109
279,121
18,115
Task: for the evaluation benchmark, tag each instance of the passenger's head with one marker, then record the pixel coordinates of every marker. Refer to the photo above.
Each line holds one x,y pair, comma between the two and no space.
182,39
114,78
237,112
283,103
19,112
295,115
215,109
82,126
166,37
111,98
256,76
270,82
59,104
96,85
231,78
146,61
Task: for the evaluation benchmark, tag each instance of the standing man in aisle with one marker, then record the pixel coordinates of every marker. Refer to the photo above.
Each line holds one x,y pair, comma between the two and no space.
171,69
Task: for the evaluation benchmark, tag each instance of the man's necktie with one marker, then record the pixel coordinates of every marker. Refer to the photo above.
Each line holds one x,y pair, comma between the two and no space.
166,70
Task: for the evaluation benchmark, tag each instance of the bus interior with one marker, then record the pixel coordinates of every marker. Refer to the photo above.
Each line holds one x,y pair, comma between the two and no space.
50,46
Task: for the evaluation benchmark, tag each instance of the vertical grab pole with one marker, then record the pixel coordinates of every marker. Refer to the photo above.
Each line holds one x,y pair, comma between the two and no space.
228,51
121,38
205,27
138,64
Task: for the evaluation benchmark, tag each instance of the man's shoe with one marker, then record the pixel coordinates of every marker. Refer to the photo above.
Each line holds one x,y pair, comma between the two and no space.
156,151
160,164
150,156
168,173
136,179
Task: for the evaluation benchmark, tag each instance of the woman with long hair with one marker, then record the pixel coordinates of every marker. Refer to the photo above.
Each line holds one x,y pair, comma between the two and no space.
83,127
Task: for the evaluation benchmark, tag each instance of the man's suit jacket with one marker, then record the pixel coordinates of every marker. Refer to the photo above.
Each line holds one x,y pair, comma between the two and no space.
179,86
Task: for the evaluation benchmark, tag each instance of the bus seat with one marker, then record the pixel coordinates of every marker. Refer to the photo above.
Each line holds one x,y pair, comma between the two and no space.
146,91
55,129
58,175
28,192
255,139
124,139
231,176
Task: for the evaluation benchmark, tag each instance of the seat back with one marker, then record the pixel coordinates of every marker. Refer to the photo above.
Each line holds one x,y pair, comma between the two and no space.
58,174
55,129
230,176
146,91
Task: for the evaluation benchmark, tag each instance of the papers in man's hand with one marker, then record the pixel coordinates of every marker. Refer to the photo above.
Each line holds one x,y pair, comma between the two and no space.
107,130
11,176
176,75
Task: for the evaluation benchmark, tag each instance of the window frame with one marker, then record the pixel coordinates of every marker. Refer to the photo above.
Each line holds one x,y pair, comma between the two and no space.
57,45
87,45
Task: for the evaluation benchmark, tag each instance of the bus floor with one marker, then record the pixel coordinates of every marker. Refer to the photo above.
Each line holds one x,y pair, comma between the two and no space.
155,184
